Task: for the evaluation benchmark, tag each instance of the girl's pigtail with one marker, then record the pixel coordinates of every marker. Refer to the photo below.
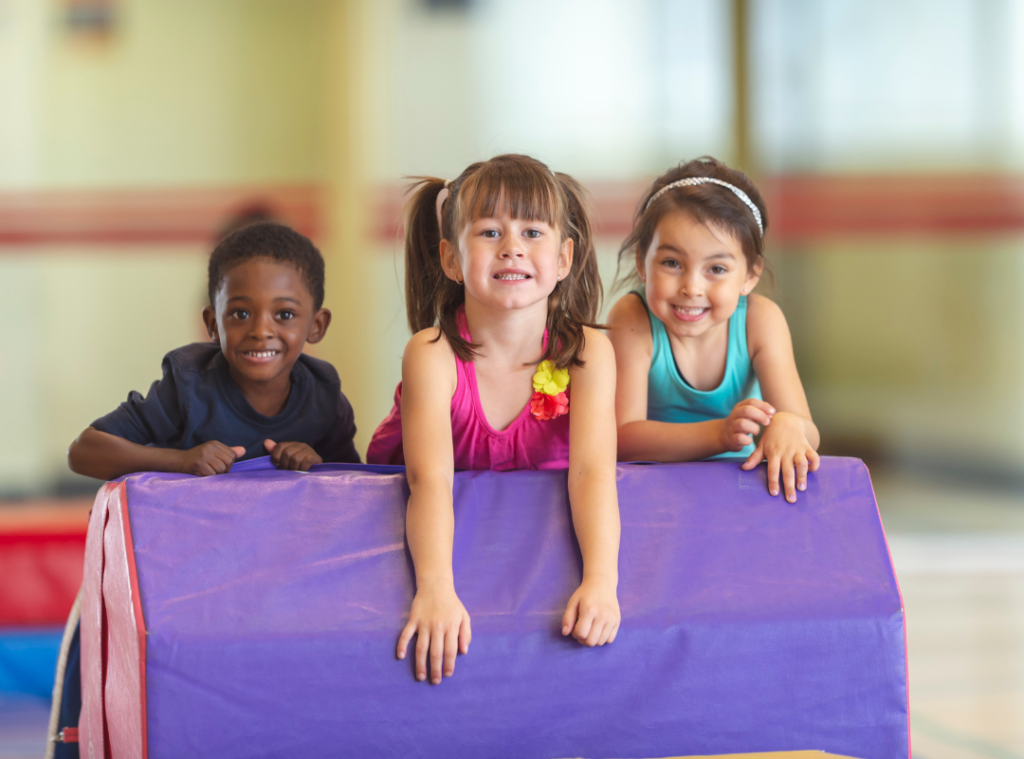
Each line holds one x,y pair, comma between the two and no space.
576,301
423,272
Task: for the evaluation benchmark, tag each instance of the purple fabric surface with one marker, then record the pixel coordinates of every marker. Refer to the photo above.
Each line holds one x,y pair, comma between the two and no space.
273,601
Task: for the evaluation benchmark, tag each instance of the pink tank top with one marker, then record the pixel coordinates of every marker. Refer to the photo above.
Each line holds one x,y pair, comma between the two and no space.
527,443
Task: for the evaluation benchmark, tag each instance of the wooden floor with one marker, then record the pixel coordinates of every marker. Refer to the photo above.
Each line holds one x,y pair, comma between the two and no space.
959,556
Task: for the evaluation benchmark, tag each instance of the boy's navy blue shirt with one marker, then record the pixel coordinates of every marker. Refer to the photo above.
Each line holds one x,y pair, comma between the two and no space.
197,401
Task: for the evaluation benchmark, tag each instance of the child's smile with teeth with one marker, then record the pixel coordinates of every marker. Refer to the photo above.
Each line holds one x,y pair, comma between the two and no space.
690,312
507,263
694,263
263,303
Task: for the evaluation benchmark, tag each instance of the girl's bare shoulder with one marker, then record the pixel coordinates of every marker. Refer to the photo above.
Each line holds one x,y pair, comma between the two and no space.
629,314
596,345
428,352
766,323
429,341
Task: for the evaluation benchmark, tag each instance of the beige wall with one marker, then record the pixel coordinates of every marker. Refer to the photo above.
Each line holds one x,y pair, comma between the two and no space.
914,345
186,94
914,348
189,93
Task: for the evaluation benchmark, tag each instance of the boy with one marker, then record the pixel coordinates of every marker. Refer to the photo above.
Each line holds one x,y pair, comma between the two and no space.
249,392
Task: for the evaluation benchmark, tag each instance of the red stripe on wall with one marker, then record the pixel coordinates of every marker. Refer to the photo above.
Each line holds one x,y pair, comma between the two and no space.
808,207
149,216
801,208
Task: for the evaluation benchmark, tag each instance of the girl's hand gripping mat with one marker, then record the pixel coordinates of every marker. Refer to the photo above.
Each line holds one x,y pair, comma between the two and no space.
255,614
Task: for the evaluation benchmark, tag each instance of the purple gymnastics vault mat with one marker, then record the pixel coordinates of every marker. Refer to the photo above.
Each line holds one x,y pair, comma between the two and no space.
255,614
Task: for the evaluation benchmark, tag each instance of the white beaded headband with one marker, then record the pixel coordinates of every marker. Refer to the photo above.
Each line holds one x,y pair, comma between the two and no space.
690,181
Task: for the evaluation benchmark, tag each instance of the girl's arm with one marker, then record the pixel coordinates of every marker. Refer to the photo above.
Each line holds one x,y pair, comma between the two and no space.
437,615
592,614
105,456
790,442
640,439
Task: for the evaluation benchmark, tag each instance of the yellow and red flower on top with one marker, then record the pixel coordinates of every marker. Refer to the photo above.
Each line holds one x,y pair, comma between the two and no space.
549,399
549,379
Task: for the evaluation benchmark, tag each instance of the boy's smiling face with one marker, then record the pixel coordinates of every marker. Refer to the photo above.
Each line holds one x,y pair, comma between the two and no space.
263,315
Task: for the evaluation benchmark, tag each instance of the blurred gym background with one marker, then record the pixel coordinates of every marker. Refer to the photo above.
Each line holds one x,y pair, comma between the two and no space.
886,135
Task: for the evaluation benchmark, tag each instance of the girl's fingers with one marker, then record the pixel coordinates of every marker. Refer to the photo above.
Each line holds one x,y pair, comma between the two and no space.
596,631
773,474
569,618
451,650
754,413
748,426
801,471
465,635
814,459
615,631
422,648
755,458
436,654
404,638
758,403
789,479
584,626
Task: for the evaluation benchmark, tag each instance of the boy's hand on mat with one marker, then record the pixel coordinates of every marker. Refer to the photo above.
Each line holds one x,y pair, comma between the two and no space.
785,446
746,420
592,614
441,624
212,457
295,456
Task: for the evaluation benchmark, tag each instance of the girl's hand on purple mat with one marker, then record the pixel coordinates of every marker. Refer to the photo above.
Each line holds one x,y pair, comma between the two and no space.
592,614
211,457
788,451
294,456
441,624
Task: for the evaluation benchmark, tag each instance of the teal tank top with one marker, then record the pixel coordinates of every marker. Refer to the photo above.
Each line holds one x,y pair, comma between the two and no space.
670,398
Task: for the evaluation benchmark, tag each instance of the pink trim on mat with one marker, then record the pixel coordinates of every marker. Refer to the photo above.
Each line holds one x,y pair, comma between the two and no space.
92,721
124,689
140,623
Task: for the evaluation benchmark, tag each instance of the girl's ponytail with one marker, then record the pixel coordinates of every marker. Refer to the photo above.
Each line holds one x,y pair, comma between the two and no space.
576,300
423,272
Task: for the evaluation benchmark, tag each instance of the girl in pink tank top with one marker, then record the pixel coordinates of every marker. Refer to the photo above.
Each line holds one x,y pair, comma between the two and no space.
503,372
527,443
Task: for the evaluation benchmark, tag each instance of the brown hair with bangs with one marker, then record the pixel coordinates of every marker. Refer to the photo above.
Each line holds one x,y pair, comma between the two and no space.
707,203
524,188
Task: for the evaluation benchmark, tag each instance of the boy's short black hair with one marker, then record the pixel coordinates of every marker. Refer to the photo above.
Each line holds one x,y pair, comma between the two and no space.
268,240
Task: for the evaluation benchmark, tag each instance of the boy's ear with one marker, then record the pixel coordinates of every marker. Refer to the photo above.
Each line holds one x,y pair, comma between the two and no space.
321,321
210,319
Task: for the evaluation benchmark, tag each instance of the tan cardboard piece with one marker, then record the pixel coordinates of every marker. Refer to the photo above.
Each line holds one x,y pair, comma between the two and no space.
770,755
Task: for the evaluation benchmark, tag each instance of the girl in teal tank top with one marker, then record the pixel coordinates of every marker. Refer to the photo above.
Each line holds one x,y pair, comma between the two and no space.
704,368
670,398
